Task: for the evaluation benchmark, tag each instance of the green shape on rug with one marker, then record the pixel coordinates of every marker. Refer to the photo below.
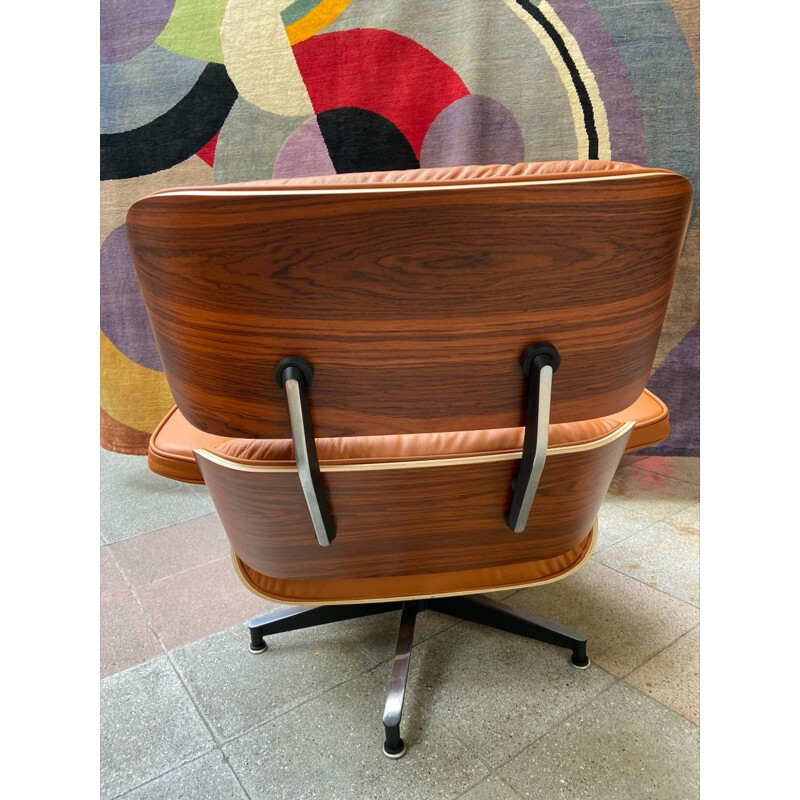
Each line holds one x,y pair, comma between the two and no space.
193,29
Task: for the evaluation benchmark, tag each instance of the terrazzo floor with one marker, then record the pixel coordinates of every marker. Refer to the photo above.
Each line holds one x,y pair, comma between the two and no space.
187,712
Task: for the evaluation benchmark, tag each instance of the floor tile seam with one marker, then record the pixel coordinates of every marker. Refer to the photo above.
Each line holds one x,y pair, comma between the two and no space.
485,778
450,730
146,615
133,666
360,646
156,530
556,723
127,585
355,640
675,514
663,705
650,520
624,501
154,629
216,739
654,588
372,669
388,661
493,771
183,572
186,763
414,644
172,663
150,622
126,496
564,720
492,774
234,773
636,533
625,538
636,465
658,653
473,753
434,635
220,739
224,742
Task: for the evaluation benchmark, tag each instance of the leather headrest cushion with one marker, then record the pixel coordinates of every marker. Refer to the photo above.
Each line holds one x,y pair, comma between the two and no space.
474,173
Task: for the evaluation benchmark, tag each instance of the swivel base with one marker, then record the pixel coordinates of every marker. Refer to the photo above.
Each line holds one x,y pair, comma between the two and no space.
474,608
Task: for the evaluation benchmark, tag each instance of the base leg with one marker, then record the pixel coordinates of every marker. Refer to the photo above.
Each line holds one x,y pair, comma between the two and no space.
483,610
257,643
394,746
293,619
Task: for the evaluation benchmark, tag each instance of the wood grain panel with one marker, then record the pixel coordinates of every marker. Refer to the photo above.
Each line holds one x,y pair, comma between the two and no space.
412,305
414,520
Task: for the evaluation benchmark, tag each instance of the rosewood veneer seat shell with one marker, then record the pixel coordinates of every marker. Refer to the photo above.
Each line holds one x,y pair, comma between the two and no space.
412,524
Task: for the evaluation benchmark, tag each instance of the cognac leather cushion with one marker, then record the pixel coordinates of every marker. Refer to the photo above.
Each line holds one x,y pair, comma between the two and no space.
316,591
172,446
173,442
439,176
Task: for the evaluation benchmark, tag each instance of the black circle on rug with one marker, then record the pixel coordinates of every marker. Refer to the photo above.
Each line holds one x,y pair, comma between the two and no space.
359,140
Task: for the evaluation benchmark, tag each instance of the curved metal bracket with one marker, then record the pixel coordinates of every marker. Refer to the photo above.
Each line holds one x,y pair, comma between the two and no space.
294,376
539,361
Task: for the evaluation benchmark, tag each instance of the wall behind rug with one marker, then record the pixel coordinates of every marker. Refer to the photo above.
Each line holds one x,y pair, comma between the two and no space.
197,92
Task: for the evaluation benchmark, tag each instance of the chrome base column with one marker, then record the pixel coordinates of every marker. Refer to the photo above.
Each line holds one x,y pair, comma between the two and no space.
394,746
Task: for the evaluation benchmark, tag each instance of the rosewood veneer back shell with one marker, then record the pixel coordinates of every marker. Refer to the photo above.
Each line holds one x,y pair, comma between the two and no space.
412,304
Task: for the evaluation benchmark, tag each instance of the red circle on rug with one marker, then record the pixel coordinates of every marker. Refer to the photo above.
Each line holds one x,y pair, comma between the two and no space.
379,71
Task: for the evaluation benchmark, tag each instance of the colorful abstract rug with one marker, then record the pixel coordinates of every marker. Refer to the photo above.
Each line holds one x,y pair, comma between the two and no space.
196,92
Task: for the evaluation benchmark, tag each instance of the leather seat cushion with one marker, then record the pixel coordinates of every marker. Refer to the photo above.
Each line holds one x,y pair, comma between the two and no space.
172,445
173,442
